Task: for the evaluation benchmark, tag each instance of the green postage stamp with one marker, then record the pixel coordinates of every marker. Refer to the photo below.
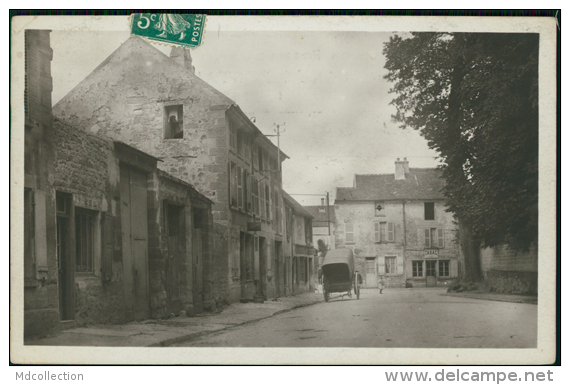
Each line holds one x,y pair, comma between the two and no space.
186,30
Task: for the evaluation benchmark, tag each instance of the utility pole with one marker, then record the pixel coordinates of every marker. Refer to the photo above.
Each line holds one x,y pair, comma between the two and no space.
277,129
328,215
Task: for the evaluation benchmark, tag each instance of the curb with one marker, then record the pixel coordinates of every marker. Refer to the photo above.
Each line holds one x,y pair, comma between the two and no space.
489,298
192,336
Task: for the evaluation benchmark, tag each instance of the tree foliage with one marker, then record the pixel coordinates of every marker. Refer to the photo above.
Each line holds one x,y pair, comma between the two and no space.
474,97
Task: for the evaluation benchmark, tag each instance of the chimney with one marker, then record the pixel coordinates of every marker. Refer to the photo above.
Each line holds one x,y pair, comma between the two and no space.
406,166
400,173
182,56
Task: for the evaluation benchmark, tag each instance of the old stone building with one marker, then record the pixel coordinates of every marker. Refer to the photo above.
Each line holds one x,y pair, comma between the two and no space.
108,237
299,251
157,104
397,227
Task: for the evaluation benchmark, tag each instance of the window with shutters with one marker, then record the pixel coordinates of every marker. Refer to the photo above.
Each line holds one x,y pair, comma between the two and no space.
390,265
263,213
383,232
255,195
434,238
233,136
240,143
233,185
239,184
255,155
85,224
429,211
349,232
267,202
443,268
247,192
417,269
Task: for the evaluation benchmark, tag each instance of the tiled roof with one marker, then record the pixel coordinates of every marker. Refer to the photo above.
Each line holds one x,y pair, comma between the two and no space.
296,205
321,218
420,183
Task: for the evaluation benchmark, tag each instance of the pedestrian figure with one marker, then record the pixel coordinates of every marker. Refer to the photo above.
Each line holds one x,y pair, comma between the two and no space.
380,283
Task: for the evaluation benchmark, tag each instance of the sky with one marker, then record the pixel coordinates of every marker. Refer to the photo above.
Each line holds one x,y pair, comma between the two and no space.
325,89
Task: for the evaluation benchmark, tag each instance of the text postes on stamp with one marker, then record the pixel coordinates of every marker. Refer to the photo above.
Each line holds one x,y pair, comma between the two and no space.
186,30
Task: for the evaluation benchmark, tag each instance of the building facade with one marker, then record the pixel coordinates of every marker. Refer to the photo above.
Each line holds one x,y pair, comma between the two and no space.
108,237
157,104
299,251
398,228
323,224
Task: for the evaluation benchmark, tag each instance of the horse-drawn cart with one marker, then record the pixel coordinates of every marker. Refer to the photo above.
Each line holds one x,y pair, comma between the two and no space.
339,275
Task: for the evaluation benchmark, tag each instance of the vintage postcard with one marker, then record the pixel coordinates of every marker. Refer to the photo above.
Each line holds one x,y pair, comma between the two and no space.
283,190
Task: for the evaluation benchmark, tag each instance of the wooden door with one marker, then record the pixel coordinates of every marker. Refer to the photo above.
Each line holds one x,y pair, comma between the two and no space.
198,290
431,278
66,276
135,242
370,272
175,231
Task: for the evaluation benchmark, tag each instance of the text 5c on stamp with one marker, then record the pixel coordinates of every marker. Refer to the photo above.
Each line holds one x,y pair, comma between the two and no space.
186,30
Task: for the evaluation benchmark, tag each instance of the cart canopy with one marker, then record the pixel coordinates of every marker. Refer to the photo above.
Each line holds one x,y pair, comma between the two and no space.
339,257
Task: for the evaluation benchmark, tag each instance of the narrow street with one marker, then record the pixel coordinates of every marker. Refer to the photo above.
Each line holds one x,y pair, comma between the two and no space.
407,318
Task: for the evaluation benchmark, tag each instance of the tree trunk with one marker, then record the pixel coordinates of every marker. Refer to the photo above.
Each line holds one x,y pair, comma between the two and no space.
471,266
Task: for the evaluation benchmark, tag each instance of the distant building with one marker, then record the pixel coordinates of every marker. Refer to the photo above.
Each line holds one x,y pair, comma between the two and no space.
398,227
298,247
323,224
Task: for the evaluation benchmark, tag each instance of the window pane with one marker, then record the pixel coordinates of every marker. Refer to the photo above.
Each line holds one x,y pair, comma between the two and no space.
429,211
84,234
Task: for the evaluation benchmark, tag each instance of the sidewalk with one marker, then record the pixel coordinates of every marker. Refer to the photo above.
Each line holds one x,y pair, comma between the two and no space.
166,332
516,298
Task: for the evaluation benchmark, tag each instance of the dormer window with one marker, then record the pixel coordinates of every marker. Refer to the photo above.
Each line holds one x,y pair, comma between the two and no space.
173,122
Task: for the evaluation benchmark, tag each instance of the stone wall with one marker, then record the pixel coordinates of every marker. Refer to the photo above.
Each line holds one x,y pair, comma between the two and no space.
508,271
85,166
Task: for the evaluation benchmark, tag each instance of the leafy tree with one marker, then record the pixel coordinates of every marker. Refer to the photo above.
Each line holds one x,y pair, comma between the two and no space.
474,97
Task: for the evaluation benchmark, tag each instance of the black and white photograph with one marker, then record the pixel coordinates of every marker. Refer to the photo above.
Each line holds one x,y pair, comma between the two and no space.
331,182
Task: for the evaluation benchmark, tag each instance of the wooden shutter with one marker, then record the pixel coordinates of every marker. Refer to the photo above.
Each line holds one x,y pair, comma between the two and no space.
381,266
107,253
427,242
239,187
40,235
376,232
440,241
390,231
349,232
256,258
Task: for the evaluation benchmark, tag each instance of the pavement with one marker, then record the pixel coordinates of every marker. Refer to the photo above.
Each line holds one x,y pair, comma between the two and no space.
516,298
152,333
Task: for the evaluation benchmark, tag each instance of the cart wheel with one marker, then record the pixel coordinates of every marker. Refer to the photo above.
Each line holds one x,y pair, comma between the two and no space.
326,294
